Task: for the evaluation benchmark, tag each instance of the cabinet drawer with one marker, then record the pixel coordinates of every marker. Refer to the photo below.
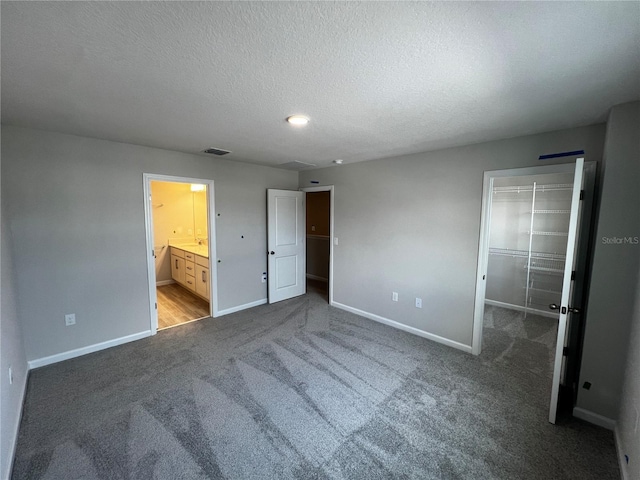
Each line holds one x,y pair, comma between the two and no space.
190,282
202,261
189,267
189,256
177,252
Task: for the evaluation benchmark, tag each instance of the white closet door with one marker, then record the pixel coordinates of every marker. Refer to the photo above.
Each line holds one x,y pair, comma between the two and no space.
286,233
565,307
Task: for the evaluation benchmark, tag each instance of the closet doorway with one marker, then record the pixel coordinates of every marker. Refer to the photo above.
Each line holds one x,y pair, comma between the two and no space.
180,241
319,246
532,265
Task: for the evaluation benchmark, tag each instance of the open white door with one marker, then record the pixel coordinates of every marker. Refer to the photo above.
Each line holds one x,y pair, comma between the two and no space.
566,307
286,248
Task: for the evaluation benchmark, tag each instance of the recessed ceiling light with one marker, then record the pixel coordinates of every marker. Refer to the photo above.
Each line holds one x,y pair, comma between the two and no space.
298,120
338,162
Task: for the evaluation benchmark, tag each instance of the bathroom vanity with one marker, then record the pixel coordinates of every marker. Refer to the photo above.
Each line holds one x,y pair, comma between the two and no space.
190,268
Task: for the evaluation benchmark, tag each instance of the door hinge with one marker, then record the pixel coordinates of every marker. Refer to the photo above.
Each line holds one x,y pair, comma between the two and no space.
153,253
156,305
581,194
573,275
566,351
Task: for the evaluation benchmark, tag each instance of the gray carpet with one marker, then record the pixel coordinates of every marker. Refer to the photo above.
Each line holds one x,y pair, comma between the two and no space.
302,390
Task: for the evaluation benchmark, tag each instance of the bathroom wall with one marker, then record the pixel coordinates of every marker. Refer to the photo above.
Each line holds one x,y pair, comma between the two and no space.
178,213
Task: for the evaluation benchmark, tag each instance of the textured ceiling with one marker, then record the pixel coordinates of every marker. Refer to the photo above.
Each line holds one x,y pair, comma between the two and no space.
377,79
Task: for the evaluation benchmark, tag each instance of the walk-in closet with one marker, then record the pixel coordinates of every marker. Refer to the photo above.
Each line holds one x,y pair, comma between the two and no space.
528,242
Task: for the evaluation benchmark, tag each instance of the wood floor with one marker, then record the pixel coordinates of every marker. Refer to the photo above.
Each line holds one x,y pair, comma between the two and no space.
177,305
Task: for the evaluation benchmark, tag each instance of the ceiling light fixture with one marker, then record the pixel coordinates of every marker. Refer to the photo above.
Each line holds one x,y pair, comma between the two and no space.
298,120
338,162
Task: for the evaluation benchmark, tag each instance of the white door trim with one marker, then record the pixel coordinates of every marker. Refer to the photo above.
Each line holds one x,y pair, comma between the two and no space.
327,188
483,248
147,178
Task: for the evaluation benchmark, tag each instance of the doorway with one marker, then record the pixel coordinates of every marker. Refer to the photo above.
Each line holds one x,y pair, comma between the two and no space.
319,246
531,267
180,242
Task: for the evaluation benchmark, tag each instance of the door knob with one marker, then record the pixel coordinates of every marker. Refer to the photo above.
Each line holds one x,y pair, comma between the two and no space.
272,252
553,306
574,310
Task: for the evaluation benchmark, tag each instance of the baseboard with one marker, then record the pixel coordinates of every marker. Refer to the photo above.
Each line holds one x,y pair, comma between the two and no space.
622,461
596,419
519,308
165,282
227,311
78,352
315,277
14,440
406,328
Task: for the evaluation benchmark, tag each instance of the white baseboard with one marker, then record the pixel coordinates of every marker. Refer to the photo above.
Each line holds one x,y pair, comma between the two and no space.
59,357
315,277
520,308
406,328
596,419
165,282
14,439
227,311
622,461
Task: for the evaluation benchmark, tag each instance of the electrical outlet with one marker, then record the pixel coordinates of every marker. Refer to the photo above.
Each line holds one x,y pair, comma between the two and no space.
394,296
418,302
10,376
264,277
70,319
335,240
313,228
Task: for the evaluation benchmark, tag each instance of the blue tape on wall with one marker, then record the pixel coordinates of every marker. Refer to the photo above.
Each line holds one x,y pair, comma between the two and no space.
563,154
314,181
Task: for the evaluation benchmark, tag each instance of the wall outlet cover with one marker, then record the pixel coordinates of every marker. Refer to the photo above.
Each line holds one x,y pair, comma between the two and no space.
70,319
394,296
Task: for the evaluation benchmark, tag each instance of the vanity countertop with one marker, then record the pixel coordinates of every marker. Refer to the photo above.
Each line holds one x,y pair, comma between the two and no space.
202,250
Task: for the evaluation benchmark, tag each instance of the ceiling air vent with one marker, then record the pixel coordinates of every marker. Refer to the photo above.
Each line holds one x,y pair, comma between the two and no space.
295,165
216,151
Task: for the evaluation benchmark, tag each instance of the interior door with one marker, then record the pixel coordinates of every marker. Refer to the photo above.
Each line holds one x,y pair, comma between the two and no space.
566,308
286,248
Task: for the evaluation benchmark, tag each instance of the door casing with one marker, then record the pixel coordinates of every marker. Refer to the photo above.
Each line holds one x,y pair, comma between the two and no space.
330,189
147,178
485,223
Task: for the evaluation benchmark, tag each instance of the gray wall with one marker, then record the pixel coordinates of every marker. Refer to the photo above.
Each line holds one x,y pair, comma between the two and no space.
628,429
411,224
11,354
615,266
76,216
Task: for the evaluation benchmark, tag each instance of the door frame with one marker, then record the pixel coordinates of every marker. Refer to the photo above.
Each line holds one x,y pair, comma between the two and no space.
483,248
331,189
147,178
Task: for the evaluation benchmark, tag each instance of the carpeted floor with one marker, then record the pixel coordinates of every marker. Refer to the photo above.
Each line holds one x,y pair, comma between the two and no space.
303,390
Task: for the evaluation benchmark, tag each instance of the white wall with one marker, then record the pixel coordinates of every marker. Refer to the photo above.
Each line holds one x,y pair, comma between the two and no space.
411,224
75,210
11,353
615,266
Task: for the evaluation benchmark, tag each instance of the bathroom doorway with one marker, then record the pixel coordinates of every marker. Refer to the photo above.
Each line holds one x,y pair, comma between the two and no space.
180,240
